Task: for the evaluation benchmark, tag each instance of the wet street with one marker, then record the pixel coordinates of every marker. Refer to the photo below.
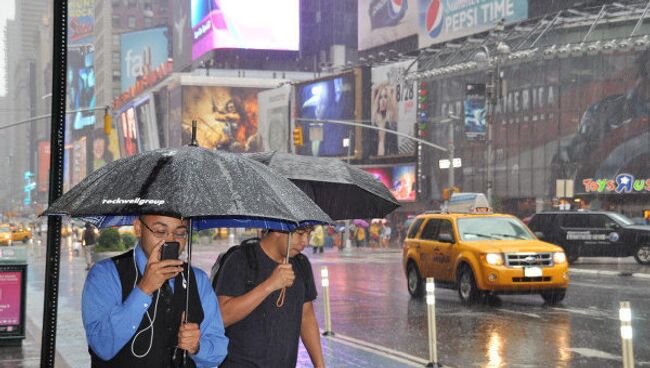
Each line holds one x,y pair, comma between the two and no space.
377,323
370,302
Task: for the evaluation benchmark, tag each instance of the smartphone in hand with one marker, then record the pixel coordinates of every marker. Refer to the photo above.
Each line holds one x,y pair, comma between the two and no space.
169,250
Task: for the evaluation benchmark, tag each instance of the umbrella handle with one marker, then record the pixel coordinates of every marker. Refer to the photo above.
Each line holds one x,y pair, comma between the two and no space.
280,302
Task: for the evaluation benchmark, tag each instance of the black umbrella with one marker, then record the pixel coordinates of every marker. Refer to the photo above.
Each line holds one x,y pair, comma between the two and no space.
210,188
189,182
341,190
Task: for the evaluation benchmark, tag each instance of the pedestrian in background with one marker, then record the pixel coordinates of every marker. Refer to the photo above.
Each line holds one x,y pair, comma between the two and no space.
317,239
89,239
360,236
386,233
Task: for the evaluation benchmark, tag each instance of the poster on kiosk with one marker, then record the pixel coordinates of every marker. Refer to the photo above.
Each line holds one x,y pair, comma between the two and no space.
13,279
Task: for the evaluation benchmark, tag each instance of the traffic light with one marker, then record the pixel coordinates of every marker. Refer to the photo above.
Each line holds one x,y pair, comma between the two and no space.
108,122
447,192
297,137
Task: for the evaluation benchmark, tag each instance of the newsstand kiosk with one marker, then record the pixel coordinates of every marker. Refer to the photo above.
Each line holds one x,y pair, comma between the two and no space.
13,283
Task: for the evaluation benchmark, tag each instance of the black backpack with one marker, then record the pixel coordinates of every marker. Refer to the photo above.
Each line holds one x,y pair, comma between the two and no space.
248,247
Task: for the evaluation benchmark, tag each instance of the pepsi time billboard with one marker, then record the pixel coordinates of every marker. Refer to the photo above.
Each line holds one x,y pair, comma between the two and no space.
384,21
443,20
249,24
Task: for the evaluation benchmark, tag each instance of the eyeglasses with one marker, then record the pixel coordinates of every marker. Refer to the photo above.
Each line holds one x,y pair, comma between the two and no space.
162,234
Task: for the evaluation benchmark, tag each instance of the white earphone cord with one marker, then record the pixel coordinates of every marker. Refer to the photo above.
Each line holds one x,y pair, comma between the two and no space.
151,321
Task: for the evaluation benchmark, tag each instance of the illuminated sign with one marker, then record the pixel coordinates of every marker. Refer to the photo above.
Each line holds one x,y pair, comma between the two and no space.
623,183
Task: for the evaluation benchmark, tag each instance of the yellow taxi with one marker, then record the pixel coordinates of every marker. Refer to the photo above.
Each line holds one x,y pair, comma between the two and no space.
6,237
19,233
480,254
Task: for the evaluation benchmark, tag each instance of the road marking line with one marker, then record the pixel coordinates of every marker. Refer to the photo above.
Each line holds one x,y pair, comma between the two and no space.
381,350
533,315
592,353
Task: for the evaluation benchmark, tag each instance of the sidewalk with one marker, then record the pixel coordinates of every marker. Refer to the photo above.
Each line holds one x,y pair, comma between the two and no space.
71,345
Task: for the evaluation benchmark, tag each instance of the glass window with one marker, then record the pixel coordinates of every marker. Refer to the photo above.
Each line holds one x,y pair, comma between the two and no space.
492,228
413,230
576,221
446,229
131,22
116,21
621,219
430,231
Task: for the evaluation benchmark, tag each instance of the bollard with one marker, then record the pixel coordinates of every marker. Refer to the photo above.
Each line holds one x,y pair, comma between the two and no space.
431,317
625,315
324,274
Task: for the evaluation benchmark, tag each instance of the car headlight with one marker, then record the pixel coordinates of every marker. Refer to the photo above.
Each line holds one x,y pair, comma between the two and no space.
495,259
559,257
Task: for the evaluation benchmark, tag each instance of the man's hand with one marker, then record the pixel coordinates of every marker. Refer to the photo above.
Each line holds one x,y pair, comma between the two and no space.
281,277
157,271
189,335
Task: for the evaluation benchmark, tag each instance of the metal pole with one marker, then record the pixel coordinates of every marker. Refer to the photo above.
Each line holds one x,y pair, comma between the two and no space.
57,139
324,274
625,315
346,243
431,318
492,96
450,148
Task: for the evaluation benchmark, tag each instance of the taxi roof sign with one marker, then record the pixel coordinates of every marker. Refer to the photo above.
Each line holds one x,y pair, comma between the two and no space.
469,203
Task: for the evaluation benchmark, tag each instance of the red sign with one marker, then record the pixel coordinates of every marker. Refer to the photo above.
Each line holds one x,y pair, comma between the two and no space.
43,165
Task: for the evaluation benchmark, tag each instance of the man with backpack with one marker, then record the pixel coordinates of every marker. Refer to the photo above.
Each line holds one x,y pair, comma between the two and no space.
263,327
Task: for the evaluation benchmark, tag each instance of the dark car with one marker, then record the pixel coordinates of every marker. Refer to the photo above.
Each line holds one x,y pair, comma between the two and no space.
593,234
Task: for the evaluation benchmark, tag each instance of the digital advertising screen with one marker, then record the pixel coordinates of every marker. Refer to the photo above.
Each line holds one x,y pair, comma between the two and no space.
327,99
227,117
12,296
274,118
141,53
251,24
81,87
399,179
128,132
81,21
145,115
475,111
392,107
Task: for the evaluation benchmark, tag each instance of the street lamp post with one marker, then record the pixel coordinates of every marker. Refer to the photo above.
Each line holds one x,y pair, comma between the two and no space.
494,91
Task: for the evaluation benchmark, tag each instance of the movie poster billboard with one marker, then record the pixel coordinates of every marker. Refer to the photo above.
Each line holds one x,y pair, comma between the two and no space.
149,131
392,107
582,118
43,166
106,149
236,24
141,53
326,99
227,117
444,20
384,21
399,179
81,87
474,111
81,21
274,118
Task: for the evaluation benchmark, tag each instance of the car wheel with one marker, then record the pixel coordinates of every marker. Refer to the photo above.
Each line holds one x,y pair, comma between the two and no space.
25,240
467,291
642,255
414,281
553,297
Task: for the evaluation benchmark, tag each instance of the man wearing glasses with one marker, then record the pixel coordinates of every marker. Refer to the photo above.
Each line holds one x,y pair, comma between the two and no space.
133,305
268,307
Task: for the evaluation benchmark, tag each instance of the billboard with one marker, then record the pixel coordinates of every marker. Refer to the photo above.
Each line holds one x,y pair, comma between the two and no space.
236,24
384,21
274,118
79,163
399,179
333,99
128,132
444,20
181,46
81,21
227,117
141,53
106,149
393,107
81,87
43,166
474,111
150,133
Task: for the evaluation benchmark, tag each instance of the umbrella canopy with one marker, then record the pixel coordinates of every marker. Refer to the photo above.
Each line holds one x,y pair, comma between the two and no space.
215,189
341,190
360,222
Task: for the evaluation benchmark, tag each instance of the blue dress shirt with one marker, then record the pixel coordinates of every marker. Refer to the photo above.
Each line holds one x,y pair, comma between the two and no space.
111,323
